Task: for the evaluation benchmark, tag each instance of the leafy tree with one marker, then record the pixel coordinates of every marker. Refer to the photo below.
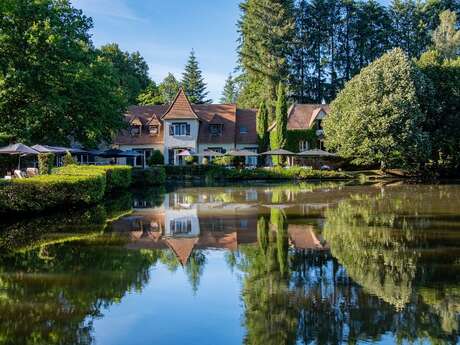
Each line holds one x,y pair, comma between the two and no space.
278,135
169,88
156,158
443,109
377,117
230,92
151,95
446,37
54,88
131,68
193,82
266,28
262,127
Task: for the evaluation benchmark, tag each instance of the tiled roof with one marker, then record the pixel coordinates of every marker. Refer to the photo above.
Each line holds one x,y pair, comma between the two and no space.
301,116
303,237
246,132
182,247
180,108
232,119
216,114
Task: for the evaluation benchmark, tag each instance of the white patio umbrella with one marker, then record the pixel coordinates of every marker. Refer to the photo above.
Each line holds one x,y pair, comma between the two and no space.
242,153
19,150
184,153
279,152
316,153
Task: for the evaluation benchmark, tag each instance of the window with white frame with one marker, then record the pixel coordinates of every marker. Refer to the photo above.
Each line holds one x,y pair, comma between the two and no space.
154,130
179,129
181,226
303,145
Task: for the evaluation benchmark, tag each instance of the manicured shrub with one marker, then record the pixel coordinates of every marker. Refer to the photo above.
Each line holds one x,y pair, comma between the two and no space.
156,158
50,191
187,171
224,160
189,160
149,177
118,176
277,173
45,163
68,159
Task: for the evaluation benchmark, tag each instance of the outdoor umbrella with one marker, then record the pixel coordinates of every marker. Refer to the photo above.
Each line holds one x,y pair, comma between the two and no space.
241,153
47,149
18,149
184,153
116,153
279,152
209,154
316,153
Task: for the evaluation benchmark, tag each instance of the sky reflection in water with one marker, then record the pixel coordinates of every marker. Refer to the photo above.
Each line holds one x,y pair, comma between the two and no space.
272,264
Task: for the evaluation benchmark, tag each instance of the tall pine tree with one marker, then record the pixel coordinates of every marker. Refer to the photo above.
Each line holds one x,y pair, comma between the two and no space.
193,81
230,92
266,28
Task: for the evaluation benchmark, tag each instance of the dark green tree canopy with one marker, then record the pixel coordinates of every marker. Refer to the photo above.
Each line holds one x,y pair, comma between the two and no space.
377,117
193,81
131,70
54,87
230,92
169,88
151,95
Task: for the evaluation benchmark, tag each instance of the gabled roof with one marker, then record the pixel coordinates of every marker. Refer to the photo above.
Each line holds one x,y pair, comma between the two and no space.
135,121
182,247
153,121
302,116
180,108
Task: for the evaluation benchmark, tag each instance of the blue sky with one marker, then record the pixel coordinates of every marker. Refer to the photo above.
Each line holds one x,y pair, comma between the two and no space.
165,31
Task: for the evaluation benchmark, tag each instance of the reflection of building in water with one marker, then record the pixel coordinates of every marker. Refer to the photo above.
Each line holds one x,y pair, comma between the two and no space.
186,222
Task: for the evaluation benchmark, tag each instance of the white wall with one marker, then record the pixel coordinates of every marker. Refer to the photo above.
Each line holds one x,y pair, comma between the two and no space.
171,142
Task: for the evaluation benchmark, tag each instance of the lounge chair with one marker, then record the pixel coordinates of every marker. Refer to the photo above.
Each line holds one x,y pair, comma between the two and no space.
18,174
31,172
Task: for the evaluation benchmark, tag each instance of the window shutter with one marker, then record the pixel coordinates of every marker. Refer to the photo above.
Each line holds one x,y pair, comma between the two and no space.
171,130
188,129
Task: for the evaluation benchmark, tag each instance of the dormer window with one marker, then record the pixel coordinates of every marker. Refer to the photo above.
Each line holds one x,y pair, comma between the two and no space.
135,130
154,130
216,129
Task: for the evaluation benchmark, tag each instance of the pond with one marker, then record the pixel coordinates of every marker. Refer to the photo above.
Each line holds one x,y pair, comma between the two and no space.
325,263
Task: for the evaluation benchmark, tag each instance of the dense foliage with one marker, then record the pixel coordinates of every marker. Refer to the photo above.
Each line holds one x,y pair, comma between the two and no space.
50,191
156,158
378,117
153,176
117,176
278,135
320,45
45,163
230,91
54,85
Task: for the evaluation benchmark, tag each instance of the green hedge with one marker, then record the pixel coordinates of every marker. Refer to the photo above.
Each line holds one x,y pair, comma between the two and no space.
153,176
187,171
50,191
278,173
118,176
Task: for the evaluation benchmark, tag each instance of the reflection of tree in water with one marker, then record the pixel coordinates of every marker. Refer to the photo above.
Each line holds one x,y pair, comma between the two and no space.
395,247
194,268
391,278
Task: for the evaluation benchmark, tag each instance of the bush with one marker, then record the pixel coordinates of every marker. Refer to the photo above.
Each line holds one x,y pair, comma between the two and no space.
149,177
189,160
50,191
156,158
45,163
187,171
277,173
224,160
68,159
117,176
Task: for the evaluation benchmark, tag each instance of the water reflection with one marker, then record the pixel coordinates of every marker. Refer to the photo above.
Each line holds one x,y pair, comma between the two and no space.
322,263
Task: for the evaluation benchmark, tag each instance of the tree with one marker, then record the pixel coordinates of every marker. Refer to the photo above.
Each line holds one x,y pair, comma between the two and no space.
230,92
446,37
193,82
151,95
443,109
266,28
169,88
377,117
262,127
54,88
278,136
132,70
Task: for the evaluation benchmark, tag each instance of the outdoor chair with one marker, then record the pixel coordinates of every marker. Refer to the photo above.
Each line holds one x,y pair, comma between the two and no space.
18,174
31,172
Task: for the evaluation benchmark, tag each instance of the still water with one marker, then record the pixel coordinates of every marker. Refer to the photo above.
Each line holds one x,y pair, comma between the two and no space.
250,264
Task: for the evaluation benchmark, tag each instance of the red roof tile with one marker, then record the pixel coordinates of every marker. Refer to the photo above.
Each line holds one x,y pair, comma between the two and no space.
180,108
246,132
301,116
